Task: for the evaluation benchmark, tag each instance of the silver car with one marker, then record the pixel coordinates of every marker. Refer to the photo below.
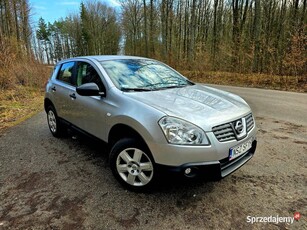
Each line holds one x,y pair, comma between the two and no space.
154,119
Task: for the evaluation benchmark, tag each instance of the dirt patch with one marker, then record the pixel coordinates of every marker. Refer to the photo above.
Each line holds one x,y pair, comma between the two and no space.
300,142
280,137
33,199
130,222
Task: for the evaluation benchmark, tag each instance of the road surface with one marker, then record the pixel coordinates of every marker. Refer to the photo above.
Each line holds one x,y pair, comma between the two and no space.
49,183
280,105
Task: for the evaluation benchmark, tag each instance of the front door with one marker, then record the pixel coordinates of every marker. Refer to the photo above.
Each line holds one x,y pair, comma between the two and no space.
89,112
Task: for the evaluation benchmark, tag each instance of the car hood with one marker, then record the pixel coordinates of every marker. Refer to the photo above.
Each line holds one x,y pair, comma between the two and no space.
199,104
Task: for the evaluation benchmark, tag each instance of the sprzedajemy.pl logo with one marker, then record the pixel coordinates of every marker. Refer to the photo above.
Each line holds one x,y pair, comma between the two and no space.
273,219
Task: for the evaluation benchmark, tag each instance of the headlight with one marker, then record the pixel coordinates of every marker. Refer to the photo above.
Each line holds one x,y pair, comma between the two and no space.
181,132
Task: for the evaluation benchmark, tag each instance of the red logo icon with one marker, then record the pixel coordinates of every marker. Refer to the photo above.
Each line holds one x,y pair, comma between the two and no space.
297,215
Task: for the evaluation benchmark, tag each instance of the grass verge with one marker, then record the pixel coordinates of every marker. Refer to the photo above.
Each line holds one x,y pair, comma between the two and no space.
285,83
19,104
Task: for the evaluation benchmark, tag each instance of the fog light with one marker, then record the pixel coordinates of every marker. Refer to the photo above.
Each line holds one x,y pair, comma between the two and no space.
187,171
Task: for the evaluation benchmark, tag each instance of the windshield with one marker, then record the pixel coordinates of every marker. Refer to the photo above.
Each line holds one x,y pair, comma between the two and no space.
142,75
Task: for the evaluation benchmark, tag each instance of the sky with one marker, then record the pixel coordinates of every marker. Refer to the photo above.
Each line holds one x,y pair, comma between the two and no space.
51,10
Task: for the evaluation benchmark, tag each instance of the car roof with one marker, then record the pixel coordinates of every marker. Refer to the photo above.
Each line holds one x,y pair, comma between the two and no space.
102,58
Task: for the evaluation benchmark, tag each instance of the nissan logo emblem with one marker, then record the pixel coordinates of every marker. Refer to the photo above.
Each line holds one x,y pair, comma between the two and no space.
239,126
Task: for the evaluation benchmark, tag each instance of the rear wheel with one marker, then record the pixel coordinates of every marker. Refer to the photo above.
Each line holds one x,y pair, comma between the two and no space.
132,164
55,126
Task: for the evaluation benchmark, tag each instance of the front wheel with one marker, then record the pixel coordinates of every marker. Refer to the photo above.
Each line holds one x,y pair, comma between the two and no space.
132,164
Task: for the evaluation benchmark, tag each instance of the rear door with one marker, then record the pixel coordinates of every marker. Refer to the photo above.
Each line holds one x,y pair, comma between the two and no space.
63,90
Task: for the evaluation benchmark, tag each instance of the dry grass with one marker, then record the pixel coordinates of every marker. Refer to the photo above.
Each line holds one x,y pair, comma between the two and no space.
21,91
18,68
27,73
21,82
286,83
19,104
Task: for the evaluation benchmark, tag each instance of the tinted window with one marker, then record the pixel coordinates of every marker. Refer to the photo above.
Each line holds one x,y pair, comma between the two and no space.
87,74
66,73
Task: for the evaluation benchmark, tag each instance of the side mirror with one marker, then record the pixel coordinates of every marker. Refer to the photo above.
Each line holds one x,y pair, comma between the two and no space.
89,89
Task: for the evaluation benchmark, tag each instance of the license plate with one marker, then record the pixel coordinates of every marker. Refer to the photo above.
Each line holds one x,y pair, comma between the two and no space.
240,149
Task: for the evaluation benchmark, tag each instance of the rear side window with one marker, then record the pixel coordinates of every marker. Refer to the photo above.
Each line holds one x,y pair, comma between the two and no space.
66,73
55,70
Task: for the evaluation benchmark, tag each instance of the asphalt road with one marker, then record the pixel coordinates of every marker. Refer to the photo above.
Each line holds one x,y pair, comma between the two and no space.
49,183
280,105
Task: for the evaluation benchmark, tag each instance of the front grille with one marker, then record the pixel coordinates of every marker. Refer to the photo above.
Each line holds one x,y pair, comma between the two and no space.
249,122
226,132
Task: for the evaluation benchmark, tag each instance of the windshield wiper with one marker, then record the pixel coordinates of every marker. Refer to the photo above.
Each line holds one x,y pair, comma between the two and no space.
135,89
167,85
173,86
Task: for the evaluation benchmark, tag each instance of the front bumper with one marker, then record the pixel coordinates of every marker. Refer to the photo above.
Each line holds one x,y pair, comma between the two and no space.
214,169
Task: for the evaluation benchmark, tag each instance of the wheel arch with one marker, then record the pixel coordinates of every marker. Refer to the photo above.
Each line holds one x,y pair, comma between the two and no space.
120,131
47,103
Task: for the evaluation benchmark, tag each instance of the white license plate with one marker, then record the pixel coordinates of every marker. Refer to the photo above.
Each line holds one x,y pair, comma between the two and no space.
240,149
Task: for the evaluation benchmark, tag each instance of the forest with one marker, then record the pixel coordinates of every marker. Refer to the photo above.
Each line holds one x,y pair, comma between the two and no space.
238,36
262,36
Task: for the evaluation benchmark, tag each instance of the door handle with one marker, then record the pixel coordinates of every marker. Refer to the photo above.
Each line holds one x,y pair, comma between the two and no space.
53,89
73,96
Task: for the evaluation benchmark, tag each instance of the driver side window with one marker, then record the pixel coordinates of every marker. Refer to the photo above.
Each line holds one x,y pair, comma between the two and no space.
87,74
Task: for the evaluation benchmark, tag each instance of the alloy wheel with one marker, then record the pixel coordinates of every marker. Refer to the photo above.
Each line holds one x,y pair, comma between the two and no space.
52,121
134,167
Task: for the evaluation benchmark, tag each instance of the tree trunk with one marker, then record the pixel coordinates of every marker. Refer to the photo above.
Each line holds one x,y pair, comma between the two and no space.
145,28
191,49
256,35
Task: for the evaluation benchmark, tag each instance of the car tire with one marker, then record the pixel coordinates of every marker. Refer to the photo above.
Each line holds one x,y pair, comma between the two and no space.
132,165
55,125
